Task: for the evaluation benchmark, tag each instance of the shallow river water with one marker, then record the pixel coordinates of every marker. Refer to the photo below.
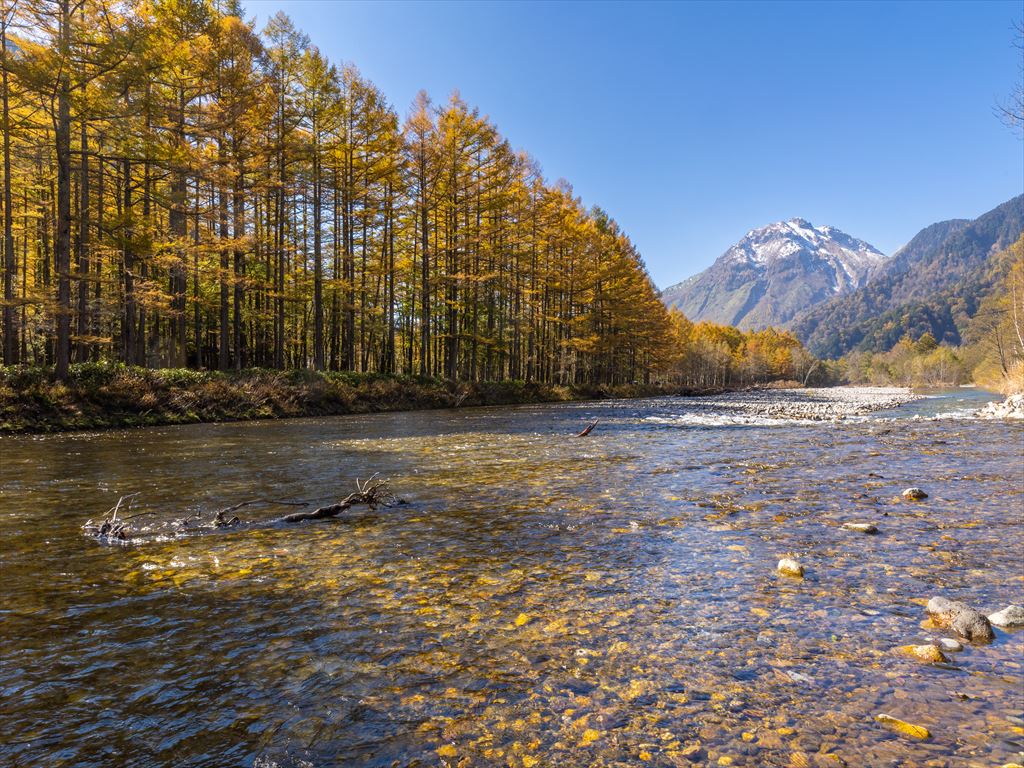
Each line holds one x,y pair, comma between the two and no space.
540,600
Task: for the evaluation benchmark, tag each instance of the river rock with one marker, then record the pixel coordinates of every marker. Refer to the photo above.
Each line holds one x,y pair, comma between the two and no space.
789,567
942,609
902,726
1010,408
949,644
926,653
973,625
861,527
961,618
1010,616
694,753
914,494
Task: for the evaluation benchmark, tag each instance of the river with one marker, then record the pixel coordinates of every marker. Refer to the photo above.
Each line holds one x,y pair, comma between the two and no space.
540,600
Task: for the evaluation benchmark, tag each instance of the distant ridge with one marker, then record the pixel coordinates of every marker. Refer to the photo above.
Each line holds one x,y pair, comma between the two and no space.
932,284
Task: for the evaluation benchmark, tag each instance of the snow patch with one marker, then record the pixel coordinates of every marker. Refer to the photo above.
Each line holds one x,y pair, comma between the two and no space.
847,258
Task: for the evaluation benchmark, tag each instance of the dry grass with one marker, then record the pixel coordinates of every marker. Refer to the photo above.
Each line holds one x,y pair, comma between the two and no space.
1013,382
990,376
111,395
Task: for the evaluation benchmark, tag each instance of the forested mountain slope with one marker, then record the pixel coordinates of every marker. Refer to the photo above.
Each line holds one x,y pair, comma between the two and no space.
933,284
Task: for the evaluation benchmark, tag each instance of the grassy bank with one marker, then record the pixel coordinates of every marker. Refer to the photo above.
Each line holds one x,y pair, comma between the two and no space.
99,395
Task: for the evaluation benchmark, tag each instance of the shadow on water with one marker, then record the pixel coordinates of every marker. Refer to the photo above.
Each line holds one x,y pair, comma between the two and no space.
542,600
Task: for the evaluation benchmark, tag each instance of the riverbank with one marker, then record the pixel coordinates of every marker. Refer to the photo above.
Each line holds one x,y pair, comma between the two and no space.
100,396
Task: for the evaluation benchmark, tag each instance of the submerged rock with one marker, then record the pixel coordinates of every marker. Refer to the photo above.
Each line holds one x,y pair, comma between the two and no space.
926,653
694,753
861,527
961,618
1010,616
789,567
902,726
914,494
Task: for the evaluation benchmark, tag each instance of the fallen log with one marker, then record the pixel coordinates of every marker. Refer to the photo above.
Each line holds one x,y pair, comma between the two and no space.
112,527
115,526
372,493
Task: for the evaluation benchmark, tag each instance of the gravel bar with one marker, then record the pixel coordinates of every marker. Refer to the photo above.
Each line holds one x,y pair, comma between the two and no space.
824,404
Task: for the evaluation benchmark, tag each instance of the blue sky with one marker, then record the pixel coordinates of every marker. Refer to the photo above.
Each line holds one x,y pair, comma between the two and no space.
691,123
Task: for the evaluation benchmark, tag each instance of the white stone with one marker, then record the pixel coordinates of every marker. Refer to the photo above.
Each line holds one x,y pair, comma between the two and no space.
1010,616
861,527
789,567
1010,408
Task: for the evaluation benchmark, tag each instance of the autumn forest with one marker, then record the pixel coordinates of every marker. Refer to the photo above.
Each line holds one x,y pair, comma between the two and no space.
182,190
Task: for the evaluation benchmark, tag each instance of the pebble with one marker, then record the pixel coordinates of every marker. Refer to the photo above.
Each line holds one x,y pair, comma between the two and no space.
790,567
1010,616
693,753
907,729
929,654
861,527
914,494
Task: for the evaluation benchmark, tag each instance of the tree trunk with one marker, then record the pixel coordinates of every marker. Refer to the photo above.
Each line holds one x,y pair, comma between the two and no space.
10,258
178,225
224,345
128,329
318,266
62,244
238,206
425,287
82,347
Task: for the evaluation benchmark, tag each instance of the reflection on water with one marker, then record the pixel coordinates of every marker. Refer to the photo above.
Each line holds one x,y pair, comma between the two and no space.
541,600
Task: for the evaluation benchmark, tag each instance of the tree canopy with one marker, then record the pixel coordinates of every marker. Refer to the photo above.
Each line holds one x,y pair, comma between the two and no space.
182,189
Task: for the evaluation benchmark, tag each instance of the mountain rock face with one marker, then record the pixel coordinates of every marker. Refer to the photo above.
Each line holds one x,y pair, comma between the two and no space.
934,283
774,273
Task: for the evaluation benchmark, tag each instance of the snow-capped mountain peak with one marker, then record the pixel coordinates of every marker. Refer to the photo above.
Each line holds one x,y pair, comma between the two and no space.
783,239
774,272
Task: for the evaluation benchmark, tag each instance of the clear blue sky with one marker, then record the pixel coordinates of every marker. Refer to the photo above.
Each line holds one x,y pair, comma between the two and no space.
691,123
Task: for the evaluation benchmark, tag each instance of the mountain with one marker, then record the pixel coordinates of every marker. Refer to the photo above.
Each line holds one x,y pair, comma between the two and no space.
934,284
775,272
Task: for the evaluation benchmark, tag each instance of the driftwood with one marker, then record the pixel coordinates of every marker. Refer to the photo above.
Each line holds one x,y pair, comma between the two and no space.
116,526
372,493
111,526
588,430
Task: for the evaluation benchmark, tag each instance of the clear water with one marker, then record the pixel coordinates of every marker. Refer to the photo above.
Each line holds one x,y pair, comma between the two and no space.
540,601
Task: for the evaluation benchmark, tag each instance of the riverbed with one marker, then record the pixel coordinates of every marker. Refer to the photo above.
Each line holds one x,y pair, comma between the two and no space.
539,600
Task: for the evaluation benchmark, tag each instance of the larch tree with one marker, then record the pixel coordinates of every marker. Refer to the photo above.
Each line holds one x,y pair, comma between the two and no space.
180,190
